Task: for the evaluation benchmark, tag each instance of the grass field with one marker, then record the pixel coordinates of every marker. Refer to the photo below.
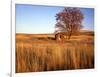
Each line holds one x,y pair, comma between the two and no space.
39,52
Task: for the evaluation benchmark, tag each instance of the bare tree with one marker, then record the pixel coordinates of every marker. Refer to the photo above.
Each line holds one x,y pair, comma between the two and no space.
69,20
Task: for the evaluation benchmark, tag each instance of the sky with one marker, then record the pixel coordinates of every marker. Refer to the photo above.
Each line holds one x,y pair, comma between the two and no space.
36,19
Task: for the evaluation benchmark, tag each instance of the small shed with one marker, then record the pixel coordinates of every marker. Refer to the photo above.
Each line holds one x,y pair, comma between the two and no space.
61,36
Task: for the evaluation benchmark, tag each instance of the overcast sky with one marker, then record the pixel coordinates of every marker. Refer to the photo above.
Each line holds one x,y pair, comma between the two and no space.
41,19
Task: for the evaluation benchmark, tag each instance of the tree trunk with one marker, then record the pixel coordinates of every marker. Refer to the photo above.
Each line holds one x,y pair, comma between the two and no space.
70,35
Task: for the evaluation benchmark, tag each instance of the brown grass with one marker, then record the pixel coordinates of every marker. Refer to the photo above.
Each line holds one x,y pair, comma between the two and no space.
43,54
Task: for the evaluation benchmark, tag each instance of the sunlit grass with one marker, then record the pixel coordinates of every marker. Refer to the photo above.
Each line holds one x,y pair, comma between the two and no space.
40,55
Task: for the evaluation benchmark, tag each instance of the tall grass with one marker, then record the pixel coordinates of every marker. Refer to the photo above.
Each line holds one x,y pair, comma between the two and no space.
35,57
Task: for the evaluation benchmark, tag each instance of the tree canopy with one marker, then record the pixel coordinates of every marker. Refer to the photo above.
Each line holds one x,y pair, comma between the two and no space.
69,20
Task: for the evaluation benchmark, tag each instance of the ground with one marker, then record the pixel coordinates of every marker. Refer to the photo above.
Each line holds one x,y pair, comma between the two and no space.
41,52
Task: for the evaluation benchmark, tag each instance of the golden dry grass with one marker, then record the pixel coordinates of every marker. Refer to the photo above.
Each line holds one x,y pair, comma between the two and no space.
42,54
